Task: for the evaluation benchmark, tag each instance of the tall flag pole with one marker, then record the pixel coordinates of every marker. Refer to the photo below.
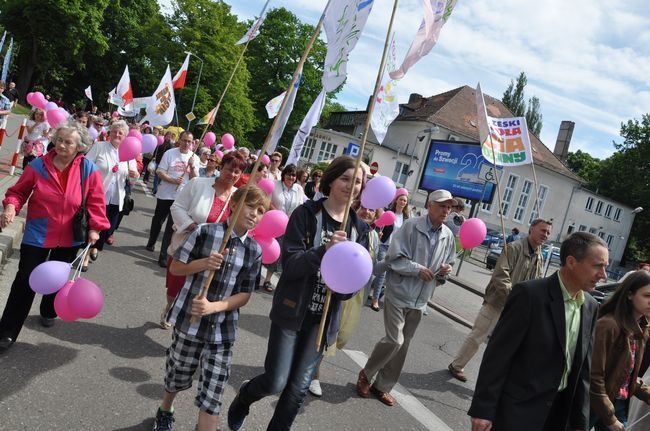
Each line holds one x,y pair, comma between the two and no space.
240,204
254,31
357,166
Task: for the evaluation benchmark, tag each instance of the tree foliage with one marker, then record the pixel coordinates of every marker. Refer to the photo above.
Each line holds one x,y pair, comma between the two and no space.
514,100
588,167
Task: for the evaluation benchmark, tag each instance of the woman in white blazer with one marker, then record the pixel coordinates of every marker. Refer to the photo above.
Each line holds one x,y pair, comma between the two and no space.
114,173
202,200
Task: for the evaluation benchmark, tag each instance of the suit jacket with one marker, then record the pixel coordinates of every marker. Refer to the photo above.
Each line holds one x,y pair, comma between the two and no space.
524,361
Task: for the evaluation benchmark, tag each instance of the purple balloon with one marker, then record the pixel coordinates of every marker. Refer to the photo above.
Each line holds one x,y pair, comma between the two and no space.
49,277
50,105
378,193
93,133
149,143
346,267
85,299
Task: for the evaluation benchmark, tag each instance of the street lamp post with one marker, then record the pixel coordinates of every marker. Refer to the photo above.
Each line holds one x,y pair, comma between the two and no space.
196,90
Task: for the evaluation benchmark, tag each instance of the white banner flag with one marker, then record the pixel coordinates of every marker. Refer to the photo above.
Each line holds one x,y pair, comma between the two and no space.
161,106
284,117
344,23
436,14
123,89
273,106
305,128
386,104
504,141
89,93
255,28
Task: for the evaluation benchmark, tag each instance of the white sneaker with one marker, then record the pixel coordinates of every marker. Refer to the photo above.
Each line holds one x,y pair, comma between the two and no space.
315,389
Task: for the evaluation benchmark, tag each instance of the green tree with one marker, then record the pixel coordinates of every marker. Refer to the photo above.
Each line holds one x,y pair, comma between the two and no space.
514,100
588,167
328,109
209,30
625,177
52,38
272,58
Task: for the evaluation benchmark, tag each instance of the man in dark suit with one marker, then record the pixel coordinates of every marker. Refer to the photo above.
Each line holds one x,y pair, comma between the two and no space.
535,371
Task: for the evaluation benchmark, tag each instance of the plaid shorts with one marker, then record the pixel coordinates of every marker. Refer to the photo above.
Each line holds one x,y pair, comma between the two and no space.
184,356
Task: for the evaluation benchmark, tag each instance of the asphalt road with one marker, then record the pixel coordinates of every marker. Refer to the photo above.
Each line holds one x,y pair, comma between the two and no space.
107,373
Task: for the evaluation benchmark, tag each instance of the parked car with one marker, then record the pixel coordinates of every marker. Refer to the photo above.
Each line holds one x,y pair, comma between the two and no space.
604,291
492,239
555,252
492,257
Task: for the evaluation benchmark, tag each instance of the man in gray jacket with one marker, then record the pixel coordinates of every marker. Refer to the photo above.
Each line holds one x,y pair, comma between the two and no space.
520,261
422,249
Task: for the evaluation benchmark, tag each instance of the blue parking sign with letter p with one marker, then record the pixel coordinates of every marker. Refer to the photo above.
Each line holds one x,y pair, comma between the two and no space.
352,150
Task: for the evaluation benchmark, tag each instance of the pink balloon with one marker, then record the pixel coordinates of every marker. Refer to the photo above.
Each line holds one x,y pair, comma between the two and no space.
266,184
386,219
346,267
93,133
29,98
61,304
129,148
56,116
472,233
149,143
379,192
266,160
160,139
219,154
228,141
50,105
136,134
270,249
273,224
85,299
39,100
209,139
115,114
49,277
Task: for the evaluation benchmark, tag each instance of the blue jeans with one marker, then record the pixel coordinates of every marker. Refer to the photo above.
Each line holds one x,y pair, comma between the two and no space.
378,283
156,181
291,360
621,409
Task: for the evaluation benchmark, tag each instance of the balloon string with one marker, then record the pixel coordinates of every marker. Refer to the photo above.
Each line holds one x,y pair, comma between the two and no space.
81,258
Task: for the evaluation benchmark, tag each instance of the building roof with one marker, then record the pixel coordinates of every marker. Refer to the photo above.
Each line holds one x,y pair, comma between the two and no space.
456,111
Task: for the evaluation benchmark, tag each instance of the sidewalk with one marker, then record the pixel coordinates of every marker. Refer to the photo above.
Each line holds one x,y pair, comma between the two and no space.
10,236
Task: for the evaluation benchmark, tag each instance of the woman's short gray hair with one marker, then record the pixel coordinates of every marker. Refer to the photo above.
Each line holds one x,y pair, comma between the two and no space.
85,141
121,124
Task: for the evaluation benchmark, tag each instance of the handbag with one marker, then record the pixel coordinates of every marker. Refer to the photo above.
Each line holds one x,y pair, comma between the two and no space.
151,167
80,218
128,204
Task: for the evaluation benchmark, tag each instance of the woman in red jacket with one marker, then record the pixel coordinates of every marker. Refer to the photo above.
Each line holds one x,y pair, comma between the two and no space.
52,185
619,343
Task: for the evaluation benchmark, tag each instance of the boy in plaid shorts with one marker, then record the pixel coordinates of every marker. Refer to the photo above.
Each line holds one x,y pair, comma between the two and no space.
208,341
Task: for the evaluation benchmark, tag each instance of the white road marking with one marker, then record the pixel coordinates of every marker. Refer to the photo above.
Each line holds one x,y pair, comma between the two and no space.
145,188
408,402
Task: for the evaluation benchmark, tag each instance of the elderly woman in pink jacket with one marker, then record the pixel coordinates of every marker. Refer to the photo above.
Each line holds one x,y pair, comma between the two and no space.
52,185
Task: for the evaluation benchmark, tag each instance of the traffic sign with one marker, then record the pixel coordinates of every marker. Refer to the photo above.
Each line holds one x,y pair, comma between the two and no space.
374,167
190,116
487,173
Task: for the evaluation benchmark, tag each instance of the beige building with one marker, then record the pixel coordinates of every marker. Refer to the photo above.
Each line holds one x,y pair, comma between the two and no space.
451,116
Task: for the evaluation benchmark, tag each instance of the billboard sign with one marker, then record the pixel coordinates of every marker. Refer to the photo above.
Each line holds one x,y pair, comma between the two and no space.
456,166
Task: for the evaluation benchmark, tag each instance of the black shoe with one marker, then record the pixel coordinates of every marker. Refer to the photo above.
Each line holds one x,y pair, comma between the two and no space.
162,262
149,247
236,412
6,343
48,322
163,421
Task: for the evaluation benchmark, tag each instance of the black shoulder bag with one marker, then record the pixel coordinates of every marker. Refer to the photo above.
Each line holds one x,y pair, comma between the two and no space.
80,219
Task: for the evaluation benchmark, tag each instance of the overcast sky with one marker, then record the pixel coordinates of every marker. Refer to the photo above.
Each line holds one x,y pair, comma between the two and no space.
588,61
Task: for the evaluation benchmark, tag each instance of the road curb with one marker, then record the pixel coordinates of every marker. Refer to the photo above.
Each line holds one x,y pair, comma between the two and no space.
12,234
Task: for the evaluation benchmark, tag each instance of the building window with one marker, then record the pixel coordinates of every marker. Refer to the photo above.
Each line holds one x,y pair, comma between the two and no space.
308,149
617,214
401,173
327,151
570,230
601,234
599,208
610,240
486,207
592,230
522,202
582,228
508,191
543,191
590,204
608,211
